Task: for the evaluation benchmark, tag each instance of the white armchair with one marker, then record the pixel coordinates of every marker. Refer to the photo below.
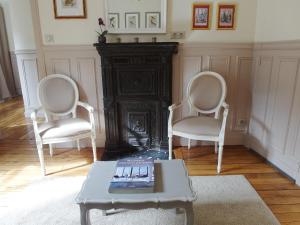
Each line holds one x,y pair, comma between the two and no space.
59,98
206,94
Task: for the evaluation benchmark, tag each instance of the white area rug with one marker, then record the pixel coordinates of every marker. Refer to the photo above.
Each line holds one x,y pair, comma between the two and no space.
226,200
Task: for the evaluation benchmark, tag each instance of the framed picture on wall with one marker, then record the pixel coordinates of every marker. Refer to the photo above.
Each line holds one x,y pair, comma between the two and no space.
132,20
113,20
152,20
69,9
226,16
201,16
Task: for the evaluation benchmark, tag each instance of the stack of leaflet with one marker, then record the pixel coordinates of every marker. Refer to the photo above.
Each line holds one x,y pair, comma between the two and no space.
133,176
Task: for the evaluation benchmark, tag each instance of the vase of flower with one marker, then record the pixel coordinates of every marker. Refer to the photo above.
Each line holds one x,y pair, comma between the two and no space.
101,39
103,32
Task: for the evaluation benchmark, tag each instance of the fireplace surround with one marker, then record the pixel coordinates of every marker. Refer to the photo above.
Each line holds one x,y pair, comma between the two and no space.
137,90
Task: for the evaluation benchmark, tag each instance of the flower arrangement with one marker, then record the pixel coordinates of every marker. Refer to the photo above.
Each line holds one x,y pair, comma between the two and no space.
103,32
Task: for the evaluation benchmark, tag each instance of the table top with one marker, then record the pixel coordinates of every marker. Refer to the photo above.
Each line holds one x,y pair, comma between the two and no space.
171,184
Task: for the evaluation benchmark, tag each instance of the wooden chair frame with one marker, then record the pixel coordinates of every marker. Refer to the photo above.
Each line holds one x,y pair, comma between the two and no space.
219,140
49,114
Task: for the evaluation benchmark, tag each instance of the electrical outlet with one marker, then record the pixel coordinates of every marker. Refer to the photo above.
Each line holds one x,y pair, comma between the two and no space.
49,38
178,35
242,122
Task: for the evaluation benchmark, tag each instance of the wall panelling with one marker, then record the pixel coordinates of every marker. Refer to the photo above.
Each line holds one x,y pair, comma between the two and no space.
26,62
233,61
274,124
81,63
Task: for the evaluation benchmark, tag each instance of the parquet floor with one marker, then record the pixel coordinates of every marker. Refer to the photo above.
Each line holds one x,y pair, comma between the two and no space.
19,165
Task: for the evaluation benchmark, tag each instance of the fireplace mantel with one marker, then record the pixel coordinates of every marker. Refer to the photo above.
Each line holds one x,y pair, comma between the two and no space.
114,48
137,90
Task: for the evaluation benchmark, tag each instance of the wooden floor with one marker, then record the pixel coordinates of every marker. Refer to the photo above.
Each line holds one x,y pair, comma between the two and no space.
19,165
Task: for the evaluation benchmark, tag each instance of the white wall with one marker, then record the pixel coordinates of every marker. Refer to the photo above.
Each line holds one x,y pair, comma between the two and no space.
5,6
71,31
19,24
22,27
82,31
277,20
180,18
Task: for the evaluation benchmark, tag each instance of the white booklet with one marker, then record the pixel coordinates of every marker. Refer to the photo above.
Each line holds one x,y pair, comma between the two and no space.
134,170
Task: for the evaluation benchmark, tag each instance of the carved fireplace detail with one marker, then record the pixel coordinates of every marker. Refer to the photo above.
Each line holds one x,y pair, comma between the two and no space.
137,90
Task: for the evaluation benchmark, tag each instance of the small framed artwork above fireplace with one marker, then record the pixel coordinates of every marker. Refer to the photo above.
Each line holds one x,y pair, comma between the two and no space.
69,9
201,16
113,20
132,20
137,17
226,17
152,20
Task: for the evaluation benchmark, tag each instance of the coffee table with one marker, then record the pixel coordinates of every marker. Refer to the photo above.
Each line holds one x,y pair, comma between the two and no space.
173,189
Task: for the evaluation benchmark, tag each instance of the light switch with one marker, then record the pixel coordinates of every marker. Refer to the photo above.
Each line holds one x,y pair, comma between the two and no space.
178,35
49,38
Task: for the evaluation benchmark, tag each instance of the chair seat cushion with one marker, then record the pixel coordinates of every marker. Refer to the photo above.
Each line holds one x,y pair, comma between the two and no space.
64,128
197,125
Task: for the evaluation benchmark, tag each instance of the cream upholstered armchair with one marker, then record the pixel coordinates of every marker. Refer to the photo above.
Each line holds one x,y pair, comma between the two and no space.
59,98
206,94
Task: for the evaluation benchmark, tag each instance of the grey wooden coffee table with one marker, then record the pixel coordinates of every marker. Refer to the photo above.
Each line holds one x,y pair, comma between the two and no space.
172,190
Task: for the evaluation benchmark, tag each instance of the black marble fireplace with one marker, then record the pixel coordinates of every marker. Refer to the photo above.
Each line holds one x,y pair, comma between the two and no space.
137,90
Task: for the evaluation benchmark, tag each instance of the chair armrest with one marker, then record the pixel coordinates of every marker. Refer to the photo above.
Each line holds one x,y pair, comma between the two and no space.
225,114
172,108
85,105
225,105
175,106
90,109
34,113
33,116
226,109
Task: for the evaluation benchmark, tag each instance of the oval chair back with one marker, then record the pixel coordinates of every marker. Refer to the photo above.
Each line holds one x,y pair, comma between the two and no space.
206,93
58,95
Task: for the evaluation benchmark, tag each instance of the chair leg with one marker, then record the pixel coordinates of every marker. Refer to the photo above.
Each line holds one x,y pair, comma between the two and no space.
170,148
189,144
220,158
94,148
51,150
78,145
216,147
41,157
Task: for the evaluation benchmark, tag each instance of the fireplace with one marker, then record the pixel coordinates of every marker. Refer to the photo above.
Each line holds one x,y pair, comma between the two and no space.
137,90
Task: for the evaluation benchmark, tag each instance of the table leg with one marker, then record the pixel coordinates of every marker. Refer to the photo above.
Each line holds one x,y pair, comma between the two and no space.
189,214
84,215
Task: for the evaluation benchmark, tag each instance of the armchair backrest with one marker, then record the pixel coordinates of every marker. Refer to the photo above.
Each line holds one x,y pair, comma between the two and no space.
206,93
58,95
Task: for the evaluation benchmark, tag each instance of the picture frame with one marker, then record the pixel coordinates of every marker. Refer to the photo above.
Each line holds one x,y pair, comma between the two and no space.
226,17
132,20
113,21
152,20
69,9
141,7
201,16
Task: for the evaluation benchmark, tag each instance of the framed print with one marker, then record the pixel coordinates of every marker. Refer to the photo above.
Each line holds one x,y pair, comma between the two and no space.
113,20
136,16
152,20
69,9
226,16
132,20
201,16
